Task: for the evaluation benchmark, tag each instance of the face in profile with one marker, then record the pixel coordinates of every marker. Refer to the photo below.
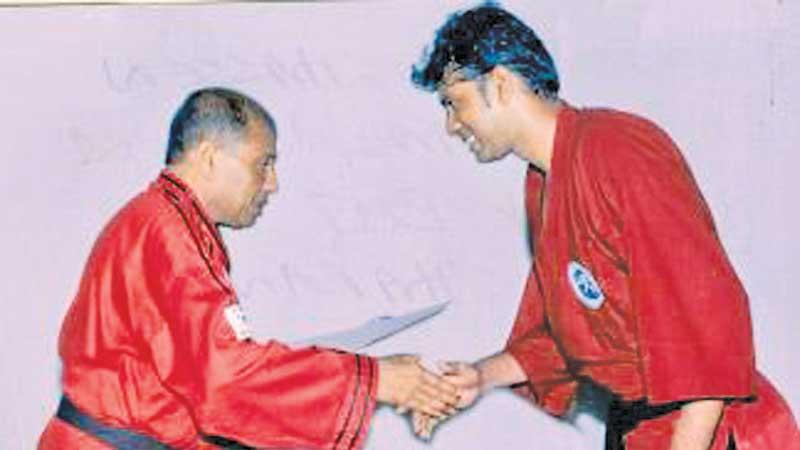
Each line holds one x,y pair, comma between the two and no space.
246,177
472,115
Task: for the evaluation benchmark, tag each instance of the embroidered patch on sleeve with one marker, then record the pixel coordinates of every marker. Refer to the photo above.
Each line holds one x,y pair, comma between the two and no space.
586,288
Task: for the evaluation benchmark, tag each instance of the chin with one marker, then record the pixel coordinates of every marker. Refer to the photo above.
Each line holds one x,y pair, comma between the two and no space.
243,222
484,158
250,221
249,216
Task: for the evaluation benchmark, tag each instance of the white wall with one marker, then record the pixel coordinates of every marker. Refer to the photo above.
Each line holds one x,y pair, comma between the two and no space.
378,210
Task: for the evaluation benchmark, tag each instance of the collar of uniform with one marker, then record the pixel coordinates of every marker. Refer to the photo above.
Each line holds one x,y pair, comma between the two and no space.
566,122
192,209
541,186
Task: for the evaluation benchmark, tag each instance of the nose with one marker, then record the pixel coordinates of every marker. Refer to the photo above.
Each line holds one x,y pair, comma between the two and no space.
452,125
270,180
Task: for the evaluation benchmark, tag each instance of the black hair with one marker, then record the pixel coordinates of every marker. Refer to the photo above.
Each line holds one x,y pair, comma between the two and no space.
477,40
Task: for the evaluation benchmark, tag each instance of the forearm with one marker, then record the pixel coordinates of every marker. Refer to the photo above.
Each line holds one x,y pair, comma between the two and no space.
697,424
500,370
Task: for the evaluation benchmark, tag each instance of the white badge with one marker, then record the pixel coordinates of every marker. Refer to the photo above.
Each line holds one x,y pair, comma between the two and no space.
235,317
585,286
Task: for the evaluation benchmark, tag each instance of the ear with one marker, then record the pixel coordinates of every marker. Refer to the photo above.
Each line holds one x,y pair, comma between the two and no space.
504,83
206,158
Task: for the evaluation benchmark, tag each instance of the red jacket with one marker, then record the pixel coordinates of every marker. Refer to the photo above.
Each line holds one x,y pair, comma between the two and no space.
631,288
153,343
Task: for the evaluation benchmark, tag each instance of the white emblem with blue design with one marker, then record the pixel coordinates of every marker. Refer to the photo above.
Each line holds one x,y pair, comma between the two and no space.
585,286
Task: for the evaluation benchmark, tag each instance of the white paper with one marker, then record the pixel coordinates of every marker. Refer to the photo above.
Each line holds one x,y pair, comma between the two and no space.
373,330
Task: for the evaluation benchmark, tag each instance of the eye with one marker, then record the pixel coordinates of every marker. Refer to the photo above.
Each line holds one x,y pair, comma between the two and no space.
268,162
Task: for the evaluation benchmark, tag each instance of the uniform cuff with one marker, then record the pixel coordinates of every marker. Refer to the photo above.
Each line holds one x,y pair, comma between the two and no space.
553,392
360,405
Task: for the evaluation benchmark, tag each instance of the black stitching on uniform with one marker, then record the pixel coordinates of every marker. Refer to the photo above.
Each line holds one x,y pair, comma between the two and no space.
197,243
175,183
366,407
355,398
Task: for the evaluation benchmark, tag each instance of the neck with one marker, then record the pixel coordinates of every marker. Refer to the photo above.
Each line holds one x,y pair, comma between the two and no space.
537,121
196,182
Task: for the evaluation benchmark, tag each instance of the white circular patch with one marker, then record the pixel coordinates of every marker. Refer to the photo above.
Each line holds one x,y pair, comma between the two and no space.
585,286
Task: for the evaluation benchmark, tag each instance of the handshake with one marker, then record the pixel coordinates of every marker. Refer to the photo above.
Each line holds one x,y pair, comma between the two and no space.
431,395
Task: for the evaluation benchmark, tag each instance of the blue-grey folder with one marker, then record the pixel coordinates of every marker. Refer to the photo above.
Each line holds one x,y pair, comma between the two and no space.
373,330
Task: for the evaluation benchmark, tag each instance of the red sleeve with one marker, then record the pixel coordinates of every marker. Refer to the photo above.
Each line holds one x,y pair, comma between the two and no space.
549,385
690,310
261,395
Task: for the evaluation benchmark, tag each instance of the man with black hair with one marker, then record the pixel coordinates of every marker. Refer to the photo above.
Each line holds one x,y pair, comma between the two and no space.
630,288
155,349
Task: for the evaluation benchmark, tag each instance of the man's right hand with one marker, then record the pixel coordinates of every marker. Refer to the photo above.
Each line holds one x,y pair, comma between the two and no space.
469,380
472,381
404,383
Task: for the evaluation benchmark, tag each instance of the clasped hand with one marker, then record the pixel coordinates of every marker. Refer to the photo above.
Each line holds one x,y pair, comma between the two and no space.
407,385
470,384
431,397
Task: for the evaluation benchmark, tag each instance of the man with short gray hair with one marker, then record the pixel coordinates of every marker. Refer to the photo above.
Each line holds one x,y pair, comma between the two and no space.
156,352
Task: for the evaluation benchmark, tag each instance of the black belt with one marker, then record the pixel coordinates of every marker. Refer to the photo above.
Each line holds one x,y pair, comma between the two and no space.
122,439
625,416
118,438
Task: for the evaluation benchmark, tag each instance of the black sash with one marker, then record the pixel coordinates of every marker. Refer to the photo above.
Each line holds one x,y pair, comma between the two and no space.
625,416
122,439
118,438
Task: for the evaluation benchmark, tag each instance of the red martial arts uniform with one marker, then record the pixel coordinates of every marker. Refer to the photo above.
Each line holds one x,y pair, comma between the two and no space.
154,343
630,287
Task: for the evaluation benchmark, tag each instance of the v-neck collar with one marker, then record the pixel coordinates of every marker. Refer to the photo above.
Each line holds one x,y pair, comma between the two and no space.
189,204
545,186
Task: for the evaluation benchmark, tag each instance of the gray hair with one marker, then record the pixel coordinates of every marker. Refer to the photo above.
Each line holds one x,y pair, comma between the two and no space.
213,113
